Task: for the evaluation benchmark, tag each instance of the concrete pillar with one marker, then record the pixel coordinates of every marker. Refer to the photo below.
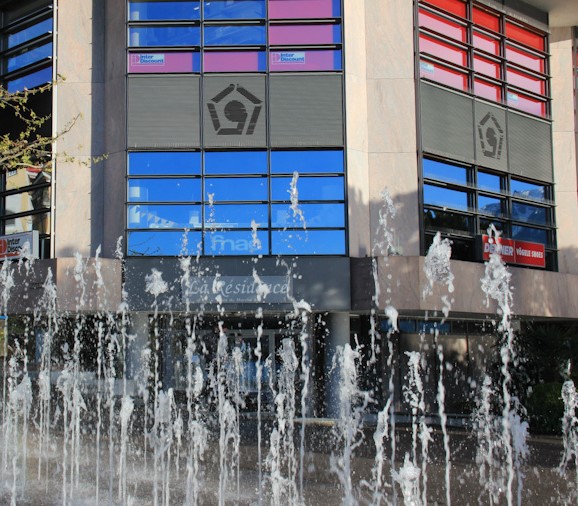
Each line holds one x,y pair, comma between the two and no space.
338,329
140,342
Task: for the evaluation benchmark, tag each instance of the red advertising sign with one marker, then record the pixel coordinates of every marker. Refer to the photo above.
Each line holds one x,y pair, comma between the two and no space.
514,252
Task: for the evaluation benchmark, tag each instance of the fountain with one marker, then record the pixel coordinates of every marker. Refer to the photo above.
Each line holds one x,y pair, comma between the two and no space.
238,429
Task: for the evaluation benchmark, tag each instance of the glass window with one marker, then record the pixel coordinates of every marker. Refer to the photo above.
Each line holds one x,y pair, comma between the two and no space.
26,176
486,42
148,36
304,34
309,188
164,10
526,81
448,222
288,162
444,75
304,9
28,57
308,242
29,201
525,36
525,58
164,216
234,9
302,61
236,243
443,50
236,189
443,197
308,216
235,61
39,222
441,171
442,25
29,33
529,214
490,68
529,234
234,35
528,190
161,63
457,7
486,89
30,81
526,103
482,17
236,215
164,190
164,163
149,243
489,181
235,162
491,206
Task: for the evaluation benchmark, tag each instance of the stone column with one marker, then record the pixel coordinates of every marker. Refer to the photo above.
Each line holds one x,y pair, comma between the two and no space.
338,328
140,342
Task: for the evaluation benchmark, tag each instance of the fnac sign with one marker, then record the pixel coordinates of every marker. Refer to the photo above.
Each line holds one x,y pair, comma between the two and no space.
531,254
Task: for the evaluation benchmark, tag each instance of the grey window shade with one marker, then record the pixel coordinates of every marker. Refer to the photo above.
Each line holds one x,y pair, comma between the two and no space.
234,111
491,136
530,147
306,111
163,112
447,123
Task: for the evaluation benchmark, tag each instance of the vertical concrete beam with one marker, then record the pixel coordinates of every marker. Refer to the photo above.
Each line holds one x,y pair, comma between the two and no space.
338,328
140,342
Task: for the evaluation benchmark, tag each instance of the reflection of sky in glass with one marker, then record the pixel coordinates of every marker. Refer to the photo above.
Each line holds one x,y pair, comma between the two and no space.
442,197
164,216
309,188
32,56
164,163
315,215
444,171
489,205
30,81
236,162
308,242
162,243
532,214
235,35
287,162
236,243
29,33
489,181
240,9
236,189
527,190
236,215
529,234
139,11
164,190
147,36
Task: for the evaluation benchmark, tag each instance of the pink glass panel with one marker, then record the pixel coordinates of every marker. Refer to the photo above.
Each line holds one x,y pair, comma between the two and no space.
487,90
303,9
444,75
443,50
487,67
160,62
299,61
526,81
238,61
486,43
302,34
527,104
525,59
442,25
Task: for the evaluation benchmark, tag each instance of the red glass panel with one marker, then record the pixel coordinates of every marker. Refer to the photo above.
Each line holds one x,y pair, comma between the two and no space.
442,25
525,36
526,81
486,43
457,7
527,104
443,50
487,90
486,19
487,67
444,75
525,59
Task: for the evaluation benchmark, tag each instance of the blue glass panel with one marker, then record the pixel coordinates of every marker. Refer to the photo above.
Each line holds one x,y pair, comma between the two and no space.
148,36
528,190
309,188
236,9
236,189
164,10
32,56
308,242
29,33
236,216
236,162
163,243
444,172
530,214
236,243
30,81
491,206
529,234
164,216
308,215
489,182
164,190
442,197
287,162
164,163
235,35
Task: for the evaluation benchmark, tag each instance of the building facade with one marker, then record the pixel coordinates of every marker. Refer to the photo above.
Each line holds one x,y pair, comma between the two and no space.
264,139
